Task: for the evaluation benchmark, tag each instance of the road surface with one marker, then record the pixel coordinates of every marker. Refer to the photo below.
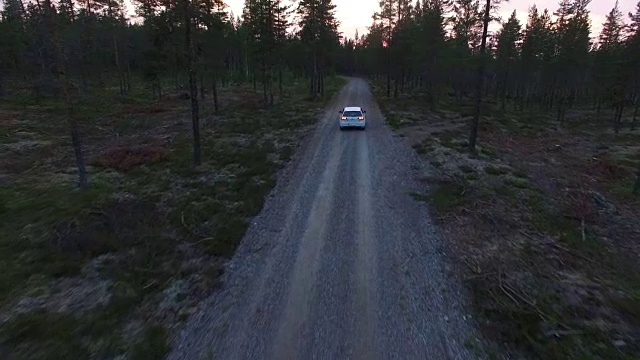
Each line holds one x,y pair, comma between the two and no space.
342,263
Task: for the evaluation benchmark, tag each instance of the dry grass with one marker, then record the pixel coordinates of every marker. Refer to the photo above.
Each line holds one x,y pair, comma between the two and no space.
152,233
127,158
542,226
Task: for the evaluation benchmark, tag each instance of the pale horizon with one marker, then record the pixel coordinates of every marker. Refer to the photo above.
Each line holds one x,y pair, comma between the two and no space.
356,15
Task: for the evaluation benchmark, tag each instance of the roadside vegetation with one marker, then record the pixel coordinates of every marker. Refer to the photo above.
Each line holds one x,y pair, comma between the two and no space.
133,158
540,215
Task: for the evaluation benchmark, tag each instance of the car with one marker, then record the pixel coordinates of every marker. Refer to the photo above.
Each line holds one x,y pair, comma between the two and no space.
352,117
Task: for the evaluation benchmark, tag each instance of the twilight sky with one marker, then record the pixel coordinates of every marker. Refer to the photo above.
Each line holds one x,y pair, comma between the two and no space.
356,14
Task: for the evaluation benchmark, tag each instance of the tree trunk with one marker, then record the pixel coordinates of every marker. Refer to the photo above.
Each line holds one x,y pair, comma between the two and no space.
314,76
255,81
395,87
552,95
128,77
214,90
633,122
3,92
159,86
193,86
475,122
270,88
264,85
116,52
560,117
62,78
617,117
388,74
280,80
202,87
246,65
503,87
84,77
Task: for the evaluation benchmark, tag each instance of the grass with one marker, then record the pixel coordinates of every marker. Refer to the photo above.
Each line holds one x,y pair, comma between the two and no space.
46,336
517,182
520,174
145,197
394,121
447,197
549,265
466,169
496,170
152,346
28,217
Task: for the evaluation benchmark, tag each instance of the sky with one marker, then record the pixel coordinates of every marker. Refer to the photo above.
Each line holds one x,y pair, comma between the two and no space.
356,14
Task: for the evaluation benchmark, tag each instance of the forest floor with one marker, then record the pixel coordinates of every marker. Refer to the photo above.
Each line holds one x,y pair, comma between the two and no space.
112,271
541,224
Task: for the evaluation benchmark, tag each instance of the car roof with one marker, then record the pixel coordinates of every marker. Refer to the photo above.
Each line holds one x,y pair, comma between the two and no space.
352,108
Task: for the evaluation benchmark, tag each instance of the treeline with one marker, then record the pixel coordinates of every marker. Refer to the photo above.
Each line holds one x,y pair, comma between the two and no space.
70,49
99,40
550,62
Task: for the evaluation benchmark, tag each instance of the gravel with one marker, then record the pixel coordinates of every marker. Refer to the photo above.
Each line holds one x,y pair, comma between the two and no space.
341,262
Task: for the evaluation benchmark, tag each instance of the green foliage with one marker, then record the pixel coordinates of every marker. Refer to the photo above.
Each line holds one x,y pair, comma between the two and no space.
152,346
447,197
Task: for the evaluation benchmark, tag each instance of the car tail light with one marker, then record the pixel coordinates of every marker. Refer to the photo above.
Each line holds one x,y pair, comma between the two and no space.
344,118
361,118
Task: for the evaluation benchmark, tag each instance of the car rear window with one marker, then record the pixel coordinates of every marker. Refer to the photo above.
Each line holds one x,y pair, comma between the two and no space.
352,113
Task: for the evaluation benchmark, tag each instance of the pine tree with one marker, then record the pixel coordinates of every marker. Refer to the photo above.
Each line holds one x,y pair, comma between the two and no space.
634,26
631,56
187,12
431,44
507,53
266,21
319,32
611,35
475,121
52,26
572,49
466,31
388,17
12,28
466,24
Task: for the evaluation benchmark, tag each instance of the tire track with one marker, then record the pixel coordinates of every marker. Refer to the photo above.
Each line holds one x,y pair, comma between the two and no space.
365,262
307,263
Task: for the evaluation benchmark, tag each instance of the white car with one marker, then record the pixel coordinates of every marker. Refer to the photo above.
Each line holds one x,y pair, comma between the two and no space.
352,117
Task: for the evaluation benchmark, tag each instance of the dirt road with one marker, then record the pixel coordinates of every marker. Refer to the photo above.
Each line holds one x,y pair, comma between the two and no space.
342,263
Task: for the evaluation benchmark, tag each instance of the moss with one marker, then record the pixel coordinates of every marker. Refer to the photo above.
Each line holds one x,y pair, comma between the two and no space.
448,196
394,121
517,182
520,174
466,169
285,153
42,335
496,170
153,345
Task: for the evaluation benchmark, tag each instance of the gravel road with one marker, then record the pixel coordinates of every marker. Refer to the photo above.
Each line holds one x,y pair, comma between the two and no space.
342,263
